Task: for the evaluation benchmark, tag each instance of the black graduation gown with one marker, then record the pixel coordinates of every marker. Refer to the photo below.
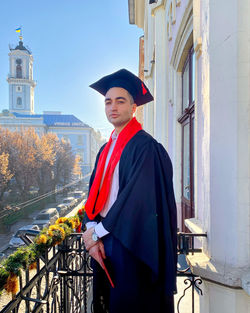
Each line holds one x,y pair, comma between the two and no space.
143,217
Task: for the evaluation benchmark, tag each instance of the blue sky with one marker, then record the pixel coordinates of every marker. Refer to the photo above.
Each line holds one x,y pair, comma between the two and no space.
73,43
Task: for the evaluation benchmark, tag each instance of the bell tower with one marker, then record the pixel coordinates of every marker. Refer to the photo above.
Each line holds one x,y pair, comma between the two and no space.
20,79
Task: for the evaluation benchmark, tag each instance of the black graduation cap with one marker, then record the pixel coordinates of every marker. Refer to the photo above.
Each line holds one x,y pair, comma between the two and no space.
127,80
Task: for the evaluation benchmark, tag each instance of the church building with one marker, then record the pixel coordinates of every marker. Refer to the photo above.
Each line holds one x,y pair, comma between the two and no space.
85,141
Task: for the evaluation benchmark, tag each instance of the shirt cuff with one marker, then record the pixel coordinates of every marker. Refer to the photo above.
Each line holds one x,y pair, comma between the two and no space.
91,224
100,230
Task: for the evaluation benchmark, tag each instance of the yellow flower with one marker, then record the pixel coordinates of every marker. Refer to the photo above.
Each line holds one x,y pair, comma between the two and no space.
53,227
56,227
62,232
72,223
32,266
12,284
61,220
42,239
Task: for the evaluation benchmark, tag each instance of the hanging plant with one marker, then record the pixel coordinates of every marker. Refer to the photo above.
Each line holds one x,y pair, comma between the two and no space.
26,257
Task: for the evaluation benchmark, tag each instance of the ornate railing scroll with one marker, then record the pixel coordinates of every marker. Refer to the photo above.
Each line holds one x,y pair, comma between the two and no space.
37,287
186,245
60,283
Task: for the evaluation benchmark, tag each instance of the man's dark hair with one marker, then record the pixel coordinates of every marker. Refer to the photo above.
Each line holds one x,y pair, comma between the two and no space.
132,101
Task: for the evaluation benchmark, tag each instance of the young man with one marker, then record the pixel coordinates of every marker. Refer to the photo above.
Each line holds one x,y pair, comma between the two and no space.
131,211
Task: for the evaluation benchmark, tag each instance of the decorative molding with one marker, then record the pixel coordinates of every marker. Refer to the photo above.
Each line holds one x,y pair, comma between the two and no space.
156,6
198,47
171,18
183,34
171,85
173,13
21,81
136,10
151,66
169,26
131,11
20,53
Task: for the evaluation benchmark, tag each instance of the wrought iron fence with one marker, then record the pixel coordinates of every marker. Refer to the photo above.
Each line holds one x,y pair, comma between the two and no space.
62,280
186,245
75,275
60,283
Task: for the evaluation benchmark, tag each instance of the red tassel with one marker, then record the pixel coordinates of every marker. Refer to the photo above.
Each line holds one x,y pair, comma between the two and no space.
144,90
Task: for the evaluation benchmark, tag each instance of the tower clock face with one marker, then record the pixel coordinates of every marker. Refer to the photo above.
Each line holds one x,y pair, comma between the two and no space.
18,61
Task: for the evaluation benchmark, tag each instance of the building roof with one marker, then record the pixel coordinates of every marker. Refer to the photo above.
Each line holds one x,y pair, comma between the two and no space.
21,47
63,120
55,120
27,115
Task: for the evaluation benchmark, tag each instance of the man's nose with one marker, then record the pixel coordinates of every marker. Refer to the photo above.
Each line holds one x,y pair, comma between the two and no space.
113,106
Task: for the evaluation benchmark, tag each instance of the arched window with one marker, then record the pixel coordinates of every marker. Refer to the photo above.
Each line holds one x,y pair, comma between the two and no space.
18,68
187,123
18,71
19,101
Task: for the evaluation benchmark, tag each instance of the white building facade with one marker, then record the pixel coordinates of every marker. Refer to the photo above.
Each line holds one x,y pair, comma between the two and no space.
197,66
85,141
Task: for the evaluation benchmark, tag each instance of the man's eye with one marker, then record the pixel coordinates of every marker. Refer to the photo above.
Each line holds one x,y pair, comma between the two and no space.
120,102
107,103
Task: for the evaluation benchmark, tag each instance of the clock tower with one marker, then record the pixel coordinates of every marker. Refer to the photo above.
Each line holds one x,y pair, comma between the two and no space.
20,79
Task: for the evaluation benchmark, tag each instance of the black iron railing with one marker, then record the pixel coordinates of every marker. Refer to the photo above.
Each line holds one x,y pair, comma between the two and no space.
62,280
185,242
75,275
60,283
186,245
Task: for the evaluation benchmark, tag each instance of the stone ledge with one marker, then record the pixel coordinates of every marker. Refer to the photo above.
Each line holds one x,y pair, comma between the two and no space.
219,273
195,226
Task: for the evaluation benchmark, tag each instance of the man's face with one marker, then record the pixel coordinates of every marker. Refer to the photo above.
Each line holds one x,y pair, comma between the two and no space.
118,107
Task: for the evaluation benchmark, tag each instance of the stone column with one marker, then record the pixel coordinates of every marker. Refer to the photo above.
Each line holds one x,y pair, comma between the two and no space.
161,81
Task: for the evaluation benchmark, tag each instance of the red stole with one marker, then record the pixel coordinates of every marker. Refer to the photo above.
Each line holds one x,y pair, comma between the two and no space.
98,197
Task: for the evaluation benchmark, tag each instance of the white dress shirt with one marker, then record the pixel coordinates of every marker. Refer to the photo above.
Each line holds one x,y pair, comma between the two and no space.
99,229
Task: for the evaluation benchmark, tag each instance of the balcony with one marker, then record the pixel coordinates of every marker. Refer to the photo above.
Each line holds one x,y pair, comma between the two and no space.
14,80
62,279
